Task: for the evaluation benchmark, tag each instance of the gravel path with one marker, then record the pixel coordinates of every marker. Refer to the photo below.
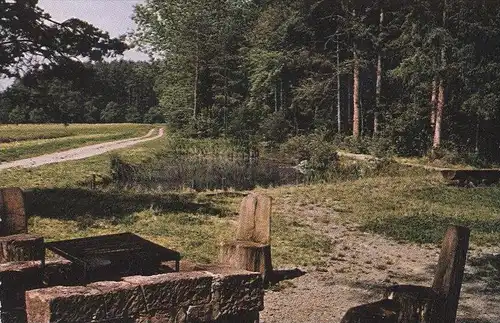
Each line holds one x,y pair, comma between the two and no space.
82,152
362,264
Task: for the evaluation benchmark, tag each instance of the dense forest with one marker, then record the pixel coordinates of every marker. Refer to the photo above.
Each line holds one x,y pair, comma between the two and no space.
114,92
408,77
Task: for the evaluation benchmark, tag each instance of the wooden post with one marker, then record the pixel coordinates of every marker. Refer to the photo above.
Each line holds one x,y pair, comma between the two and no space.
450,270
12,213
22,247
385,311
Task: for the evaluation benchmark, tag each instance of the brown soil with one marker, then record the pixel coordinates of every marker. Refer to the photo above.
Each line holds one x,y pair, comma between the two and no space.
362,264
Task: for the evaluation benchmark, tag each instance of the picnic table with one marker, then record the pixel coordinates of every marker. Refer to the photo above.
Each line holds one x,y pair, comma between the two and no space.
113,255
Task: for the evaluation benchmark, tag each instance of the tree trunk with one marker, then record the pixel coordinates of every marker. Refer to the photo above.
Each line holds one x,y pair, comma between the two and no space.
195,87
441,92
355,97
434,102
249,256
276,98
439,116
339,116
379,82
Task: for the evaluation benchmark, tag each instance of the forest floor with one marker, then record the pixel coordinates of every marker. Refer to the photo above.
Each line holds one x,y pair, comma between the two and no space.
81,152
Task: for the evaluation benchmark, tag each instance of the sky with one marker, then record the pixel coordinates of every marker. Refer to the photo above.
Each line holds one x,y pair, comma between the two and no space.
113,16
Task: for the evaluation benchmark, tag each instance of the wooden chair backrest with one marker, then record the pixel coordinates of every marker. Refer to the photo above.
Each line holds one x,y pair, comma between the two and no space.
255,219
13,218
450,270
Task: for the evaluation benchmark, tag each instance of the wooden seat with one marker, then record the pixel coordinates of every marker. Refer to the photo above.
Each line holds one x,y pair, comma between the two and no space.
13,218
420,304
252,248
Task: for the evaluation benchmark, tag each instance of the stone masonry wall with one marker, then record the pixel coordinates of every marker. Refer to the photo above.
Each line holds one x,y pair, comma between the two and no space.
221,296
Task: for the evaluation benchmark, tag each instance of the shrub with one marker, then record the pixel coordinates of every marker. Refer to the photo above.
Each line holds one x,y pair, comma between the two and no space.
321,154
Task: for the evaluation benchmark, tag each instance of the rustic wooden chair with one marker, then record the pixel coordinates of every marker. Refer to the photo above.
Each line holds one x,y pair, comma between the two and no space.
13,218
252,248
419,304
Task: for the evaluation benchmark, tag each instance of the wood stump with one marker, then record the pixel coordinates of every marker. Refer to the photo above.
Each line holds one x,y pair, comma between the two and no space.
21,247
418,304
13,218
249,256
385,311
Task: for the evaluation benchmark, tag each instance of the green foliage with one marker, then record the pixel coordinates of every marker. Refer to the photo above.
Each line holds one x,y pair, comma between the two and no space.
27,31
320,154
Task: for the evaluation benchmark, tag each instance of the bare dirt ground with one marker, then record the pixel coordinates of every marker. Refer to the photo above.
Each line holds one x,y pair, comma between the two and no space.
82,152
362,264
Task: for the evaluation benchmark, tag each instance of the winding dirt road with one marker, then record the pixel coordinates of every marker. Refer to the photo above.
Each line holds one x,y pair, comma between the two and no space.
82,152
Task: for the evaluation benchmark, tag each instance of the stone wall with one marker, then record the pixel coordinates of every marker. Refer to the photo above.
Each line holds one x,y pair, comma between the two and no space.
15,279
220,296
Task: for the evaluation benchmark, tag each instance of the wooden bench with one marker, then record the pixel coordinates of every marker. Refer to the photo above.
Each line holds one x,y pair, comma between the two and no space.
421,304
472,177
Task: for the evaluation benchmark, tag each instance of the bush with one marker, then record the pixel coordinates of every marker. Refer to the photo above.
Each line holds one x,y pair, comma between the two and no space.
275,128
321,154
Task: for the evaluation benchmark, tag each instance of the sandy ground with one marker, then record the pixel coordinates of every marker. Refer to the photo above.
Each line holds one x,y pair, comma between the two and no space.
363,264
82,152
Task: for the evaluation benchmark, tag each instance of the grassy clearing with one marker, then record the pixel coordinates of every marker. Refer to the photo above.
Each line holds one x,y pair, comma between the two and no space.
24,141
407,204
414,206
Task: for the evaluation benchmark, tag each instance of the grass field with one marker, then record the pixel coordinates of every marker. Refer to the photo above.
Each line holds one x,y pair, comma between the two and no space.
24,141
406,204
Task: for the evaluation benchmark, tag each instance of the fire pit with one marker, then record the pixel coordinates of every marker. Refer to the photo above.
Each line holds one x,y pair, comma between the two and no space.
113,256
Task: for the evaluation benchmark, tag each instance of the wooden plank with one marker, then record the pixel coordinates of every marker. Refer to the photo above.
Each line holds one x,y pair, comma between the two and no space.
246,221
450,270
14,220
254,223
262,232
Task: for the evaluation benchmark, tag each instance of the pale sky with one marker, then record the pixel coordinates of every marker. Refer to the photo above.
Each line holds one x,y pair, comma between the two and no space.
113,16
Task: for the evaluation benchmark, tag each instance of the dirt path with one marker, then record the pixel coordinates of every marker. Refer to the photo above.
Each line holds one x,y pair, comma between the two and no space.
82,152
362,264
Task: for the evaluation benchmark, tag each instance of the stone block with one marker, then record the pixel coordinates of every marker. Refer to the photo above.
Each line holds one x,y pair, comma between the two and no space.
167,291
239,292
15,279
121,299
234,295
13,316
61,273
21,247
64,305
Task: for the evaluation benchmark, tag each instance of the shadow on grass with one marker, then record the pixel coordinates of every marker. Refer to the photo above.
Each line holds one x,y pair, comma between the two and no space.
74,203
430,228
